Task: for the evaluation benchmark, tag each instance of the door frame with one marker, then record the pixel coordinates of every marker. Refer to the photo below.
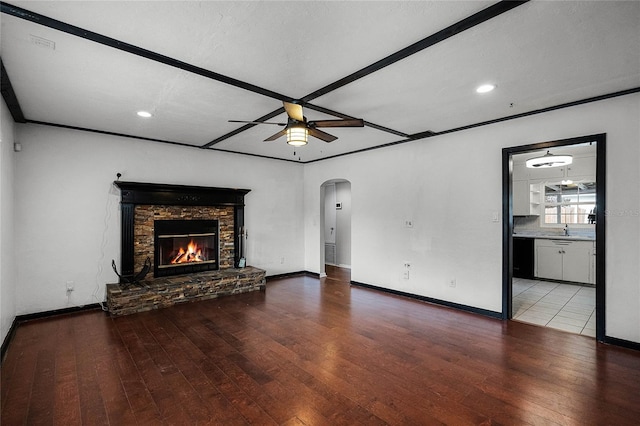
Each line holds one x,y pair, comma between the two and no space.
324,184
507,223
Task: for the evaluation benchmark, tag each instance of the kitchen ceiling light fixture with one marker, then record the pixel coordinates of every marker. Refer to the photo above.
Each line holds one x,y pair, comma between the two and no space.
485,88
549,160
144,114
297,135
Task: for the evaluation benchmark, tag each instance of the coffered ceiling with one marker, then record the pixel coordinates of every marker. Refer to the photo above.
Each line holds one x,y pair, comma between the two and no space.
407,68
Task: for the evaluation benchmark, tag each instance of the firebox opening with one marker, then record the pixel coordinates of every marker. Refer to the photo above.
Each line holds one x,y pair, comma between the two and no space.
185,246
179,249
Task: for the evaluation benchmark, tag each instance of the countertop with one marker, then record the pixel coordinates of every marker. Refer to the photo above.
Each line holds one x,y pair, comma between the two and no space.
555,237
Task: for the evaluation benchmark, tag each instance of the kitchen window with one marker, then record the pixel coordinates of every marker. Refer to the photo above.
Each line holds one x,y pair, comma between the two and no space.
569,203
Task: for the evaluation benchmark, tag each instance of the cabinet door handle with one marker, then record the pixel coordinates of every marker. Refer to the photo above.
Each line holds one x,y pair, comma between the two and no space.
560,251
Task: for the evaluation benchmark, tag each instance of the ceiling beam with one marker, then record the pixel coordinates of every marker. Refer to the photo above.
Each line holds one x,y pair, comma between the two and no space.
9,96
157,57
427,134
37,18
460,26
243,128
348,117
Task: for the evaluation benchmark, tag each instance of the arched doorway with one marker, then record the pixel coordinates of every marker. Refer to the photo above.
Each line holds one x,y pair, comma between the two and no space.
335,229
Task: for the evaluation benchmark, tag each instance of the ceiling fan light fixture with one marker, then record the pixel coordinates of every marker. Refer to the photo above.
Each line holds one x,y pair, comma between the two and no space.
549,160
297,135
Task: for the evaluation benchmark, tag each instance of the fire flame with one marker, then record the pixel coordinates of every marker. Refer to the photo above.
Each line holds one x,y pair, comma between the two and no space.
193,253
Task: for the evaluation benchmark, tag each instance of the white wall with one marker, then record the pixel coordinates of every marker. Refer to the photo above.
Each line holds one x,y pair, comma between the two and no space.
67,210
330,213
343,224
8,276
450,187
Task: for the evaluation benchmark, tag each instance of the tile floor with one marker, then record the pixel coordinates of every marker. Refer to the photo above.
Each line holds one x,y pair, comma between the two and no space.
562,306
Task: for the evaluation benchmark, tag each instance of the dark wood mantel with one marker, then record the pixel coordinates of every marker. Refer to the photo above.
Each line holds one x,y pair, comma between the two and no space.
183,195
141,193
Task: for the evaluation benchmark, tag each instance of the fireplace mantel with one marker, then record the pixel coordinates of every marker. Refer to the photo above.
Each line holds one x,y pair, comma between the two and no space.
179,195
154,194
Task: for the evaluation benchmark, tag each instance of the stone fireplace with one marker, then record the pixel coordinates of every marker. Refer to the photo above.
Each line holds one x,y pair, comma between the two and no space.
142,204
193,237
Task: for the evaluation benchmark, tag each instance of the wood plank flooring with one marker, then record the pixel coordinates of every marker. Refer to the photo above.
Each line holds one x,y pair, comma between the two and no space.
314,352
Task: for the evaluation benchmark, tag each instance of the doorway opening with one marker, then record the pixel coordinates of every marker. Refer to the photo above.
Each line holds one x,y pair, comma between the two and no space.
553,236
335,229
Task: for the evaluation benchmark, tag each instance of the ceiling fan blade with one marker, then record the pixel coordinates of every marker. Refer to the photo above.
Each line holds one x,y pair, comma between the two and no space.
276,136
294,111
354,122
257,122
322,135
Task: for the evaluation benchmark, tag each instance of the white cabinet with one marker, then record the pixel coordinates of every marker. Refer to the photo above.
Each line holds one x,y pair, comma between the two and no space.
565,260
548,261
576,262
583,168
520,197
526,198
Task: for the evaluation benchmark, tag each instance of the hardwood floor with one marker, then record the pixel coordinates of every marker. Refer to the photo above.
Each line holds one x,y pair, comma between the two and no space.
315,352
337,273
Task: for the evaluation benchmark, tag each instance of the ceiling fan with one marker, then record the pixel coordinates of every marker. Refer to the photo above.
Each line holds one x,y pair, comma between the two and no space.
297,128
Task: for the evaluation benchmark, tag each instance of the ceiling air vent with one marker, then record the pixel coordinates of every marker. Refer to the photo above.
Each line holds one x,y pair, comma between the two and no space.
43,42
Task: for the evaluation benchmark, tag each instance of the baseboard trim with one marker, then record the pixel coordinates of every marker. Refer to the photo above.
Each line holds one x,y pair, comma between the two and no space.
461,307
7,339
75,309
622,343
292,274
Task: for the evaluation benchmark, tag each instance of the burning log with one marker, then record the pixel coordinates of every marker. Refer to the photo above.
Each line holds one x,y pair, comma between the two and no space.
192,253
178,258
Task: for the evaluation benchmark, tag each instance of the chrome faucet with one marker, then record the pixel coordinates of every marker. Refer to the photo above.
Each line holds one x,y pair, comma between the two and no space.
566,230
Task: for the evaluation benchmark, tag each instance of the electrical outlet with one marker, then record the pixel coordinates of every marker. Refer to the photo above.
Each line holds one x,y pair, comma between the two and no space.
407,264
282,260
70,285
452,282
408,223
405,275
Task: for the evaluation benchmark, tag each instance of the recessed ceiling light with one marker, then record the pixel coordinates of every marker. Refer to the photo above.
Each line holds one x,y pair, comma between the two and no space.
144,114
485,88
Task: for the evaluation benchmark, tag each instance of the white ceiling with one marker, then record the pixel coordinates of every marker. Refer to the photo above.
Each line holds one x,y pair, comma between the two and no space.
541,54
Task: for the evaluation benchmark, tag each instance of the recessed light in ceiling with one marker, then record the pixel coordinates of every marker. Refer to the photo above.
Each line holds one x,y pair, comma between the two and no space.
144,114
485,88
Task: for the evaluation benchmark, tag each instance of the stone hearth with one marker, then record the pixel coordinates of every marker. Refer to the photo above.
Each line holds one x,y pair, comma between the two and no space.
164,292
